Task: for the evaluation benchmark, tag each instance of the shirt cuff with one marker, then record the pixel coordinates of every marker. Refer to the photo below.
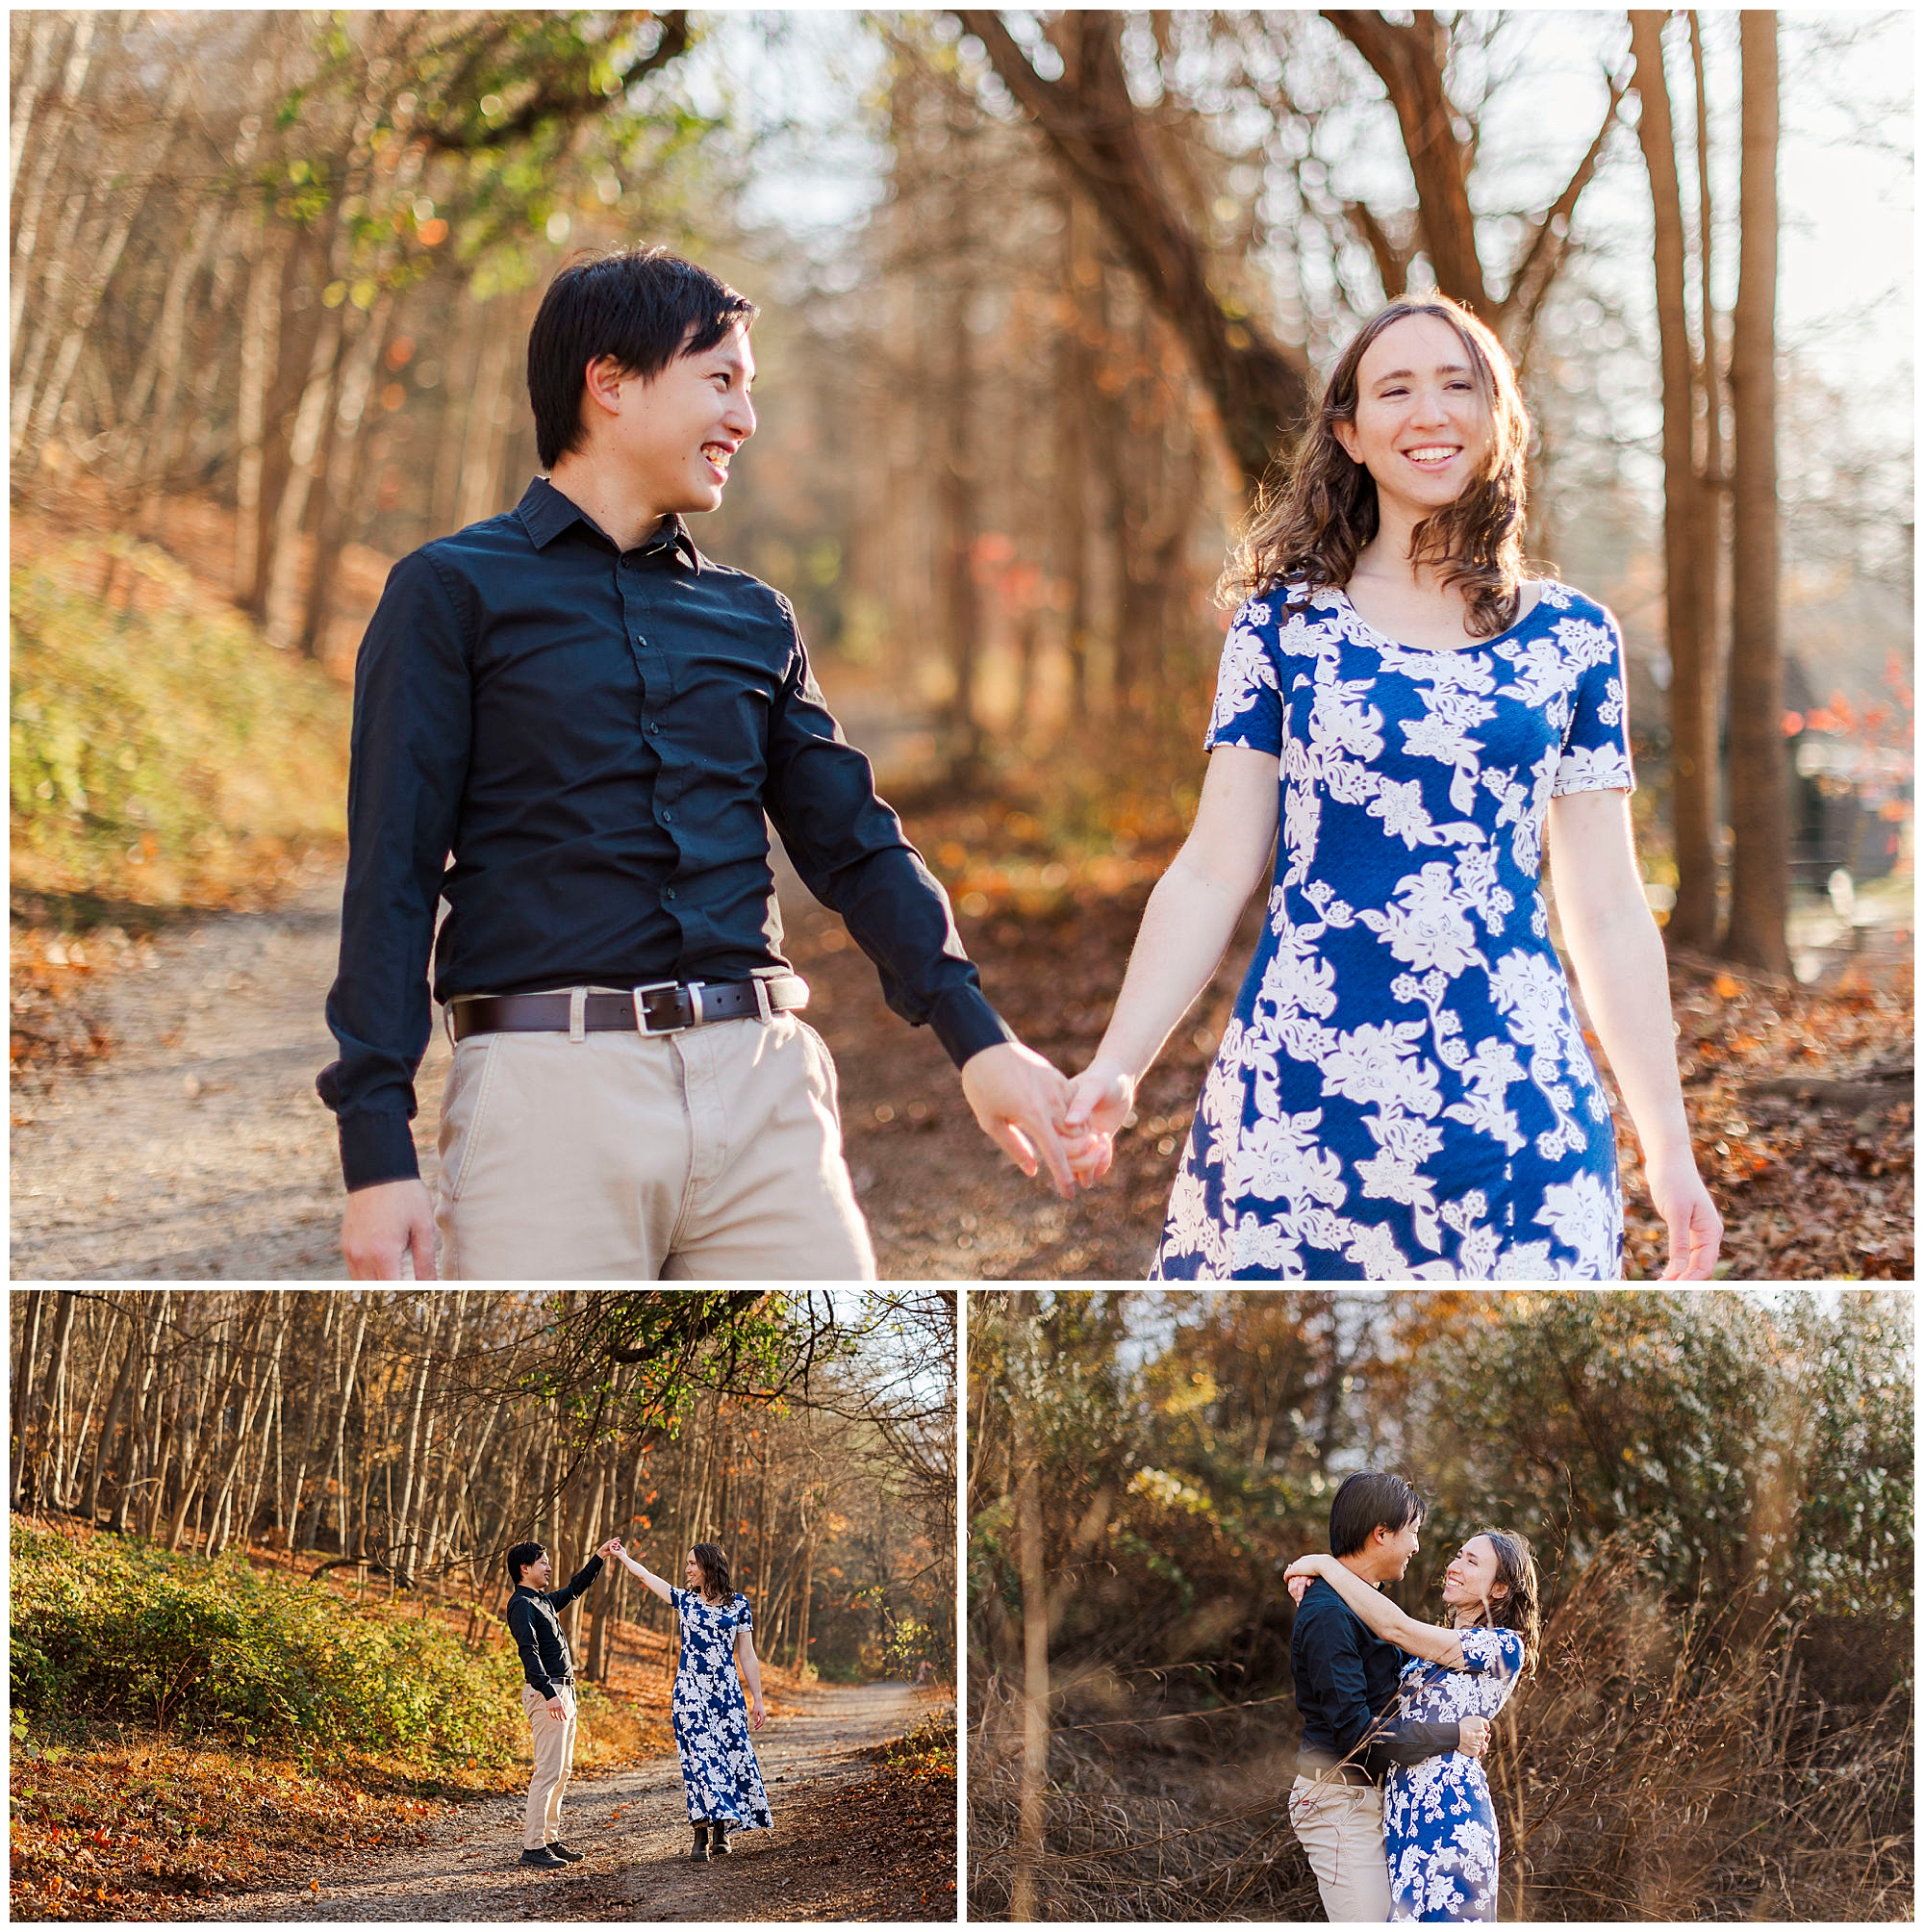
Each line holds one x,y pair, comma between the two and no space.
965,1023
377,1148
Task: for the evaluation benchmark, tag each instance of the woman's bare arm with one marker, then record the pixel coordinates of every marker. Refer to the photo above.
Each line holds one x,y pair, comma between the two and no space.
1189,920
1430,1641
659,1584
751,1669
1618,954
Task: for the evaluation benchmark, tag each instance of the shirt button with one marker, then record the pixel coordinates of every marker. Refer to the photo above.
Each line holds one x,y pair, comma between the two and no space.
669,893
654,729
668,818
643,641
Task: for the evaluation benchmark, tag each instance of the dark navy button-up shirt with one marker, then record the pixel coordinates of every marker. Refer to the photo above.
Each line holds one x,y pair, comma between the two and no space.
535,1628
1346,1684
592,735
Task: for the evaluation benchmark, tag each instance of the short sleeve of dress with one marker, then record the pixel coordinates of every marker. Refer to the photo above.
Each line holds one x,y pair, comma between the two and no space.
1596,747
1492,1653
745,1617
1248,701
677,1597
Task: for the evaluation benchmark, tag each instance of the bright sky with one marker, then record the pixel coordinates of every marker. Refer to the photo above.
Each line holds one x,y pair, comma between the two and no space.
1846,288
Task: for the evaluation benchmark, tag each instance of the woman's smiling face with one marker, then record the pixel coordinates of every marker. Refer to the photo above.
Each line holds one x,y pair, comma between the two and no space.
1423,427
1470,1580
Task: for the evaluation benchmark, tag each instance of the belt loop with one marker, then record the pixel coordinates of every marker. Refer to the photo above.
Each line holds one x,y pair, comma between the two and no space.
762,1005
577,1014
448,1021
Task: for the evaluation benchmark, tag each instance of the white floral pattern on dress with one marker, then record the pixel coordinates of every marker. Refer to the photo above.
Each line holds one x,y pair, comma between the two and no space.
1439,1827
1403,1091
719,1767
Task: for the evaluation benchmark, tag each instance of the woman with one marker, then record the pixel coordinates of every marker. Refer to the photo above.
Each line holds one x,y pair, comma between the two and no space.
723,1781
1439,1826
1403,1091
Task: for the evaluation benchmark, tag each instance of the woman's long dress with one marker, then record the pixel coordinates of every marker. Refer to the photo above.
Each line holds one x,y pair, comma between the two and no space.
719,1770
1403,1091
1439,1827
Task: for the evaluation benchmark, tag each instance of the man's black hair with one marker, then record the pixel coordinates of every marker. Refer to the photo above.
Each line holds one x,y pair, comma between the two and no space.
520,1557
642,306
1367,1502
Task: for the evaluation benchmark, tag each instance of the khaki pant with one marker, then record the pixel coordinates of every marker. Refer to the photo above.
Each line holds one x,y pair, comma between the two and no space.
710,1154
1341,1827
554,1759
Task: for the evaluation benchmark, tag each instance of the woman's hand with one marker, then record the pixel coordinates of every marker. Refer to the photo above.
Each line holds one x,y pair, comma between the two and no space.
1678,1193
1308,1569
757,1713
1472,1736
1100,1099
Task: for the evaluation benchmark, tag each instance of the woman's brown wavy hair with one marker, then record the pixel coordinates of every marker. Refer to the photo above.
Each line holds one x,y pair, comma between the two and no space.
1312,521
1519,1609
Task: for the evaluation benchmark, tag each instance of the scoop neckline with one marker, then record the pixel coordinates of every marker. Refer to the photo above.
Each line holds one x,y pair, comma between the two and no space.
1452,651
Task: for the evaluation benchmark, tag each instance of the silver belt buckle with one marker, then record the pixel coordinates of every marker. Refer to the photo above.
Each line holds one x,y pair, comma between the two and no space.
641,995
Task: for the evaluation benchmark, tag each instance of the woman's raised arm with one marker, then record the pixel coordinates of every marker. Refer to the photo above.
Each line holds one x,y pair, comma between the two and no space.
659,1584
1430,1641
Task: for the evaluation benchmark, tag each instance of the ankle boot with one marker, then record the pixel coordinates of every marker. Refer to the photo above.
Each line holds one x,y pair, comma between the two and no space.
717,1836
700,1852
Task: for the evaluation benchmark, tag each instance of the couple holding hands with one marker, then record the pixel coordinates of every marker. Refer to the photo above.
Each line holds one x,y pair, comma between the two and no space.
576,729
720,1775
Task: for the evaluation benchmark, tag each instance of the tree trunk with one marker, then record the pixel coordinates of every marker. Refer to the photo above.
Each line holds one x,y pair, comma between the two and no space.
23,1394
1688,550
52,139
339,481
1759,785
1025,1900
260,356
111,1421
336,1451
44,1445
479,495
280,603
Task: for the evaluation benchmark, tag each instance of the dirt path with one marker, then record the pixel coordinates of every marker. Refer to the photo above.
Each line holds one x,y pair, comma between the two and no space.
196,1149
633,1825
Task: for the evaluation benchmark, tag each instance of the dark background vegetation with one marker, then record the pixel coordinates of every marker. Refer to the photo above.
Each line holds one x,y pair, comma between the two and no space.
1719,1489
267,1525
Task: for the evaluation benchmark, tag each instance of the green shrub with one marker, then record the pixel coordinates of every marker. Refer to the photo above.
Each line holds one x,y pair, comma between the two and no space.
162,751
122,1629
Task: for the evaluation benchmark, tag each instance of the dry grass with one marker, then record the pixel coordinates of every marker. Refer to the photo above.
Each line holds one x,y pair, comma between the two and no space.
1660,1764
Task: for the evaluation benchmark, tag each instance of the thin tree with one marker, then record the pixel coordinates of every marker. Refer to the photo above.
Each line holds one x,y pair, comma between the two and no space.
1760,782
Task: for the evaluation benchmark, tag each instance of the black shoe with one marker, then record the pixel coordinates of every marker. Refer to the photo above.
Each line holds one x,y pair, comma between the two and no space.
560,1850
718,1835
544,1860
700,1852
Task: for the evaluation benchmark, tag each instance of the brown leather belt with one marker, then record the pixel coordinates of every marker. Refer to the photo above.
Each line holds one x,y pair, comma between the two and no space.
668,1006
1328,1771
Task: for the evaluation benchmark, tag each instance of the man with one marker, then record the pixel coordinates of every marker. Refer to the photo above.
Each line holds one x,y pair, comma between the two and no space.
592,719
1345,1690
549,1694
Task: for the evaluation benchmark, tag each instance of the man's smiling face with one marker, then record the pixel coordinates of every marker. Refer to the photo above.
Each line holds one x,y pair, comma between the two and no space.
674,435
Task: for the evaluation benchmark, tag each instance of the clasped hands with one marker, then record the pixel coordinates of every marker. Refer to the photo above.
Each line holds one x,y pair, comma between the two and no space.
1041,1118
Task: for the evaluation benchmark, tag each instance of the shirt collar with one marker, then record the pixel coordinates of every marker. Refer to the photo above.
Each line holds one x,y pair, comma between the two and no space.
545,512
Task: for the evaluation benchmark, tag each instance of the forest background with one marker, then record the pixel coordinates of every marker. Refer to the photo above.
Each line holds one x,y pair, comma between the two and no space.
1718,1491
272,273
258,1539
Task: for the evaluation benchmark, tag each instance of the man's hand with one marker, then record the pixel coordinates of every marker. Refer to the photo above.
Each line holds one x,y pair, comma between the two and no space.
557,1709
1019,1101
610,1550
1474,1734
381,1224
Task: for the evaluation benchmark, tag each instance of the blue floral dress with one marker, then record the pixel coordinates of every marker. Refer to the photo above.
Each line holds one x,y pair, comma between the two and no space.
711,1718
1439,1827
1403,1091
